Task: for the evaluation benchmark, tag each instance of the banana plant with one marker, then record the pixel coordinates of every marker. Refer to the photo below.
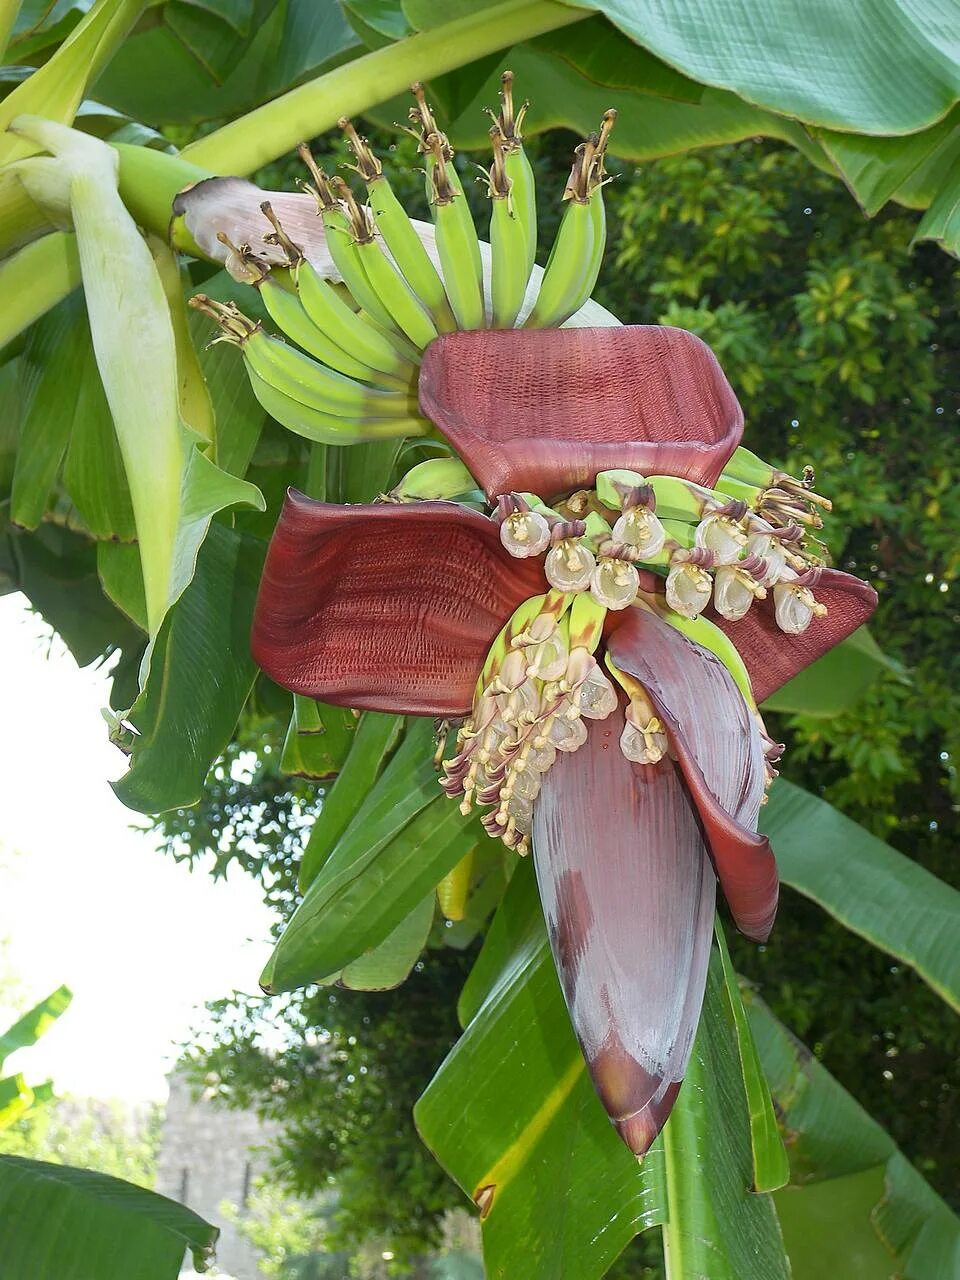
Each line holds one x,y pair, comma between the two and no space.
582,565
58,1221
16,1096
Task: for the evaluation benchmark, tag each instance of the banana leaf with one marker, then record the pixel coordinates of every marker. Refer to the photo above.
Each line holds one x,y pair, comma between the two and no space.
866,885
60,1223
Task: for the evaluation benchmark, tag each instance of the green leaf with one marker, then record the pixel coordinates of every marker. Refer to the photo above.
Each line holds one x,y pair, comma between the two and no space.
374,741
771,1169
385,17
866,885
57,571
716,1227
214,43
403,839
34,279
235,13
16,1099
59,1223
317,740
65,417
56,89
93,473
856,1209
118,566
866,68
40,24
27,1030
237,412
10,398
199,677
389,963
876,168
836,681
648,125
601,55
50,369
941,222
513,1118
157,74
175,489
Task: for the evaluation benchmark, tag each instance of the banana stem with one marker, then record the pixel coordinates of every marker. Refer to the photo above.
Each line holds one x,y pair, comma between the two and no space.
149,182
269,131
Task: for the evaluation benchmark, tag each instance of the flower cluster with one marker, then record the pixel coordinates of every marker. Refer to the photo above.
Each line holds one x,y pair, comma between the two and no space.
540,682
714,548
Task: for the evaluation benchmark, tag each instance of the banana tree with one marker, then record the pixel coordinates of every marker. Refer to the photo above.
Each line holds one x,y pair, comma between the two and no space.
514,515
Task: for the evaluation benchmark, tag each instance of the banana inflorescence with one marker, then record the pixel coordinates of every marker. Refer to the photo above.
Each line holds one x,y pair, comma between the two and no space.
346,370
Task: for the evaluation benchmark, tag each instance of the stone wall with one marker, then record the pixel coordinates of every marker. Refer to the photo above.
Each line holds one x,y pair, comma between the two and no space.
208,1155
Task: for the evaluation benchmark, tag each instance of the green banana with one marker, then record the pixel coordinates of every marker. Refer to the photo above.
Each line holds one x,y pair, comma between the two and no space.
738,490
457,242
705,633
517,166
340,242
289,314
613,484
567,280
748,468
329,306
577,253
406,311
328,311
676,499
435,478
303,379
746,476
424,127
508,242
324,427
399,234
679,499
586,621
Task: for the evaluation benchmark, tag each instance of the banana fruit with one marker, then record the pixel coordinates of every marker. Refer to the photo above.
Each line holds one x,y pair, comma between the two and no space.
437,478
307,397
574,262
517,167
508,243
457,242
399,234
326,428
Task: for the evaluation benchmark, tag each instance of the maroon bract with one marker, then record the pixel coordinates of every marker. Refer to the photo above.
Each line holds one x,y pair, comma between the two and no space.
385,607
548,412
637,798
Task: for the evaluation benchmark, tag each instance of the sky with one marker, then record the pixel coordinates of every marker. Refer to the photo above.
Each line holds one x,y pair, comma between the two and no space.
88,901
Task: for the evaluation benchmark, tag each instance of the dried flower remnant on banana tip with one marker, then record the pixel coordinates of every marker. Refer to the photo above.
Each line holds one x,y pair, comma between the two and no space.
601,635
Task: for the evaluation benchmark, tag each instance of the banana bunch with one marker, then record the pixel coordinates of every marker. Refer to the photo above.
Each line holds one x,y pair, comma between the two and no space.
308,397
346,366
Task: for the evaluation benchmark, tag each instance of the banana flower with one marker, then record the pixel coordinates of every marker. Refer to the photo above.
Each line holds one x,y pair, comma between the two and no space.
609,723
